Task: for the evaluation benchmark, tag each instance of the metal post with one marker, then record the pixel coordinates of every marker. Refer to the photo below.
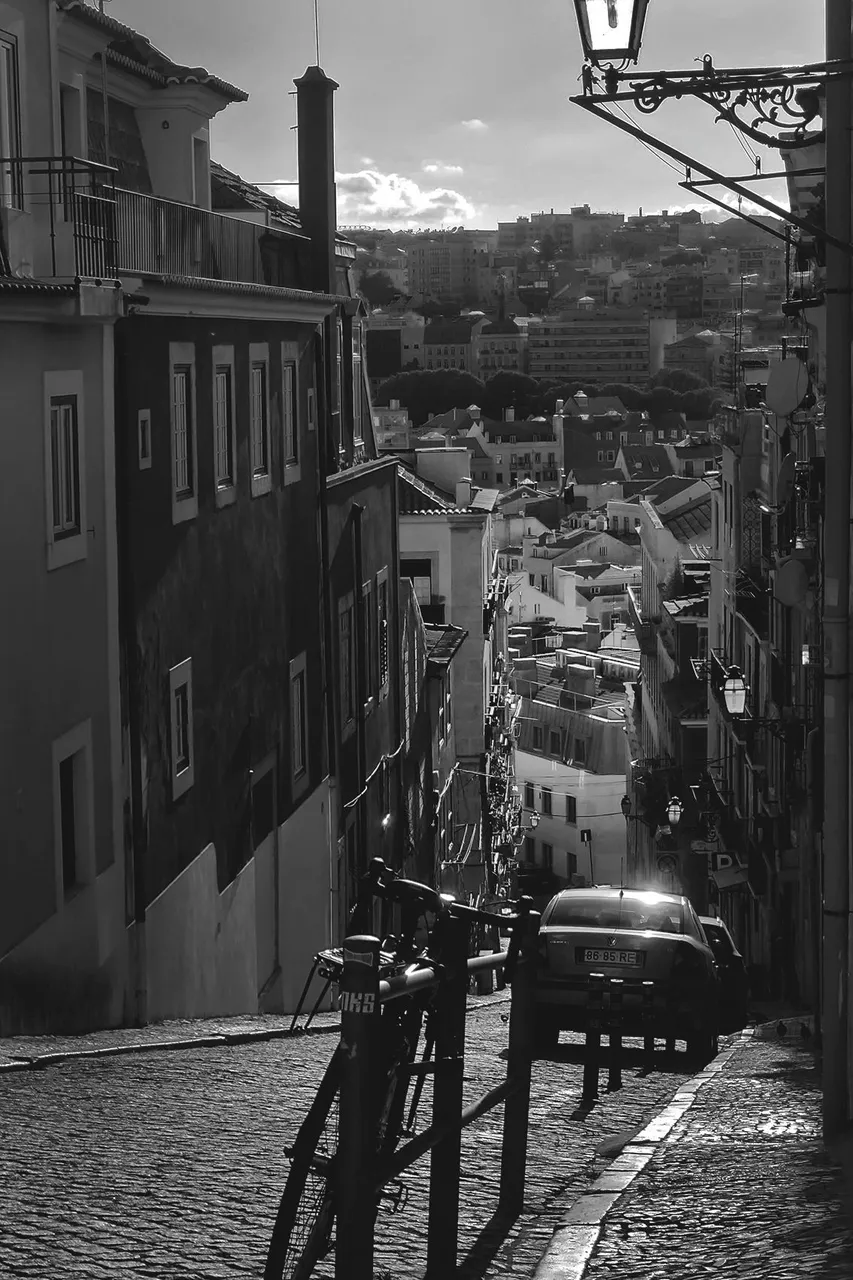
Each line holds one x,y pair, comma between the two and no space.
614,1075
355,1181
592,1044
836,880
519,1058
648,1024
443,1232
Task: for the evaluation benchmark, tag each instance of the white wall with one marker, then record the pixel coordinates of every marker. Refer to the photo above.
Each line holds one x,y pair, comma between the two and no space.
529,603
597,798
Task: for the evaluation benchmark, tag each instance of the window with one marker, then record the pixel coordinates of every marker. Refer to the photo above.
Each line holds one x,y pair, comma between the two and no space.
181,721
65,471
528,795
499,477
298,719
555,743
183,412
420,572
289,421
537,737
547,856
143,438
224,428
532,578
571,809
382,637
10,124
546,800
543,583
368,646
73,810
579,753
346,660
357,381
259,419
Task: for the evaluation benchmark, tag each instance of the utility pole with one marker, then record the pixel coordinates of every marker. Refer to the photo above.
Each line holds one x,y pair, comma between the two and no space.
836,880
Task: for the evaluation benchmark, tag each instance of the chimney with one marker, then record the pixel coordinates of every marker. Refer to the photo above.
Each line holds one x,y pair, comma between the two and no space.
509,415
394,404
593,636
463,493
315,115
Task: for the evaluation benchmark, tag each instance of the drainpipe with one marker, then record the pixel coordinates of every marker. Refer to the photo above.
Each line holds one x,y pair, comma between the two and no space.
321,366
836,575
360,683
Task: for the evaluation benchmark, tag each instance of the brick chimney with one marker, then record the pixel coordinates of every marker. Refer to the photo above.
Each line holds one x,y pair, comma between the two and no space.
315,116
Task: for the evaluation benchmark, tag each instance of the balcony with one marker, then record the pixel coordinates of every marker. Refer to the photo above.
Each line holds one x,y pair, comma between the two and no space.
643,630
96,230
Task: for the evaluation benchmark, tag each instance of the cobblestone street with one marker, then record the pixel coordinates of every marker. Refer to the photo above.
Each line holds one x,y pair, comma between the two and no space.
166,1165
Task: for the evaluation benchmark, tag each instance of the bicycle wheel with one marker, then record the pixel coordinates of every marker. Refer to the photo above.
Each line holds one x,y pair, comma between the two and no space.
303,1224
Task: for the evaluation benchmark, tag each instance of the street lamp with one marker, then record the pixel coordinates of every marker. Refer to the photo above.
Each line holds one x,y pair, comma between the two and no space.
734,692
611,30
626,806
674,810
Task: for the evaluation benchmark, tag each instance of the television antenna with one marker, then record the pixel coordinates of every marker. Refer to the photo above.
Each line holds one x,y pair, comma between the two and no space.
317,31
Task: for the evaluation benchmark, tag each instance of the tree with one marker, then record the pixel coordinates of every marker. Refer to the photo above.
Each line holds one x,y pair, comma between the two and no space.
547,248
377,288
677,380
510,390
426,392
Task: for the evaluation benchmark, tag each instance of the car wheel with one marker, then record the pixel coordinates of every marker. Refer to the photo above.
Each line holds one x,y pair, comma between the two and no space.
546,1033
702,1046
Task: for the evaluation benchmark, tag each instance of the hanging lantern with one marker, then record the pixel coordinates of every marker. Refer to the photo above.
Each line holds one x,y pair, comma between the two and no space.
674,811
611,30
734,692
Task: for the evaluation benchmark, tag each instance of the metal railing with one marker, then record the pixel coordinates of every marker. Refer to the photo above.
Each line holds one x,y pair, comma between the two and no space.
78,195
163,237
100,231
360,1033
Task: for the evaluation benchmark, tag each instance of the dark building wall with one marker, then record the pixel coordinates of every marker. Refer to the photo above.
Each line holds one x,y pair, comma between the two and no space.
363,546
236,589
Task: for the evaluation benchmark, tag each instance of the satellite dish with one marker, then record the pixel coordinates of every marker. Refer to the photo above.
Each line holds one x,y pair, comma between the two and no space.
787,385
792,581
785,480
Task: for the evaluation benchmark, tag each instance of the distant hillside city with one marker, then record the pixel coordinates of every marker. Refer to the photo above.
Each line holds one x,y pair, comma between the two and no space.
651,307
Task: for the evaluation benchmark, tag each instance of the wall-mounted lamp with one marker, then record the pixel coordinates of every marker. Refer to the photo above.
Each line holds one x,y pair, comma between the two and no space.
734,692
674,810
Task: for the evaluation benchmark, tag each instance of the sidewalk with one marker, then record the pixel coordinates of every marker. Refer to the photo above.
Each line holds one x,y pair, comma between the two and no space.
732,1179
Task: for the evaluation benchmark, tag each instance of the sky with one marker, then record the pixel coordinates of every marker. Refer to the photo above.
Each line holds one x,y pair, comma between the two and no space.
455,112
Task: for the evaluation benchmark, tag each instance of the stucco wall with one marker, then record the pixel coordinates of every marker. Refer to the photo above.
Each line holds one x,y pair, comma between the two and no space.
304,892
200,944
55,668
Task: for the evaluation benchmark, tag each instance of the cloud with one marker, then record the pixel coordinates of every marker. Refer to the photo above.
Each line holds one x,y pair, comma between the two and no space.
474,124
368,162
389,198
438,166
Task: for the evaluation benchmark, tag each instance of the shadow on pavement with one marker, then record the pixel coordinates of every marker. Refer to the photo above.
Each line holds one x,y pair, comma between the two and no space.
482,1253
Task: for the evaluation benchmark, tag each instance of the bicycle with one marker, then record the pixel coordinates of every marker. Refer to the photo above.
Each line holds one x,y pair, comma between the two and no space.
302,1232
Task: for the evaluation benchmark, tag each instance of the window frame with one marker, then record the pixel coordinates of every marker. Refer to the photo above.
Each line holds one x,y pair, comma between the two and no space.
299,773
260,475
383,634
184,502
77,742
572,810
143,437
346,606
225,490
11,186
291,443
181,677
65,546
547,801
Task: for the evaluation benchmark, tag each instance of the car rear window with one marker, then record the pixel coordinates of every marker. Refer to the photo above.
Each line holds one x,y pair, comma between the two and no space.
605,912
718,940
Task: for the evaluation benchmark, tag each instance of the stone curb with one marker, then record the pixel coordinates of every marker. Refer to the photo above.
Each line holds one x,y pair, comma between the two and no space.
572,1243
43,1060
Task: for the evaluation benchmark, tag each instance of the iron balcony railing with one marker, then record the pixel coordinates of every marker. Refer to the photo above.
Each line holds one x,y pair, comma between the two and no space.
100,231
78,200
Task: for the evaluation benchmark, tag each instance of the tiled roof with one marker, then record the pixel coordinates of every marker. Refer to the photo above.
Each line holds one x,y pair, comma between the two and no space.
646,460
443,642
605,744
688,522
453,334
17,284
229,191
597,475
485,499
662,490
415,496
134,48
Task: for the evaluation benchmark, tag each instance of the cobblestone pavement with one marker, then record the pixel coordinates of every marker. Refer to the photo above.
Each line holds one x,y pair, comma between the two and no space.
741,1187
164,1166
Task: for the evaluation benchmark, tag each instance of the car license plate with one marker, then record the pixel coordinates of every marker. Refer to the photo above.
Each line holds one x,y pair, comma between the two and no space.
596,955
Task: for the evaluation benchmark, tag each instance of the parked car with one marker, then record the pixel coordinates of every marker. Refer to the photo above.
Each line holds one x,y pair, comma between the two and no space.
731,968
639,937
